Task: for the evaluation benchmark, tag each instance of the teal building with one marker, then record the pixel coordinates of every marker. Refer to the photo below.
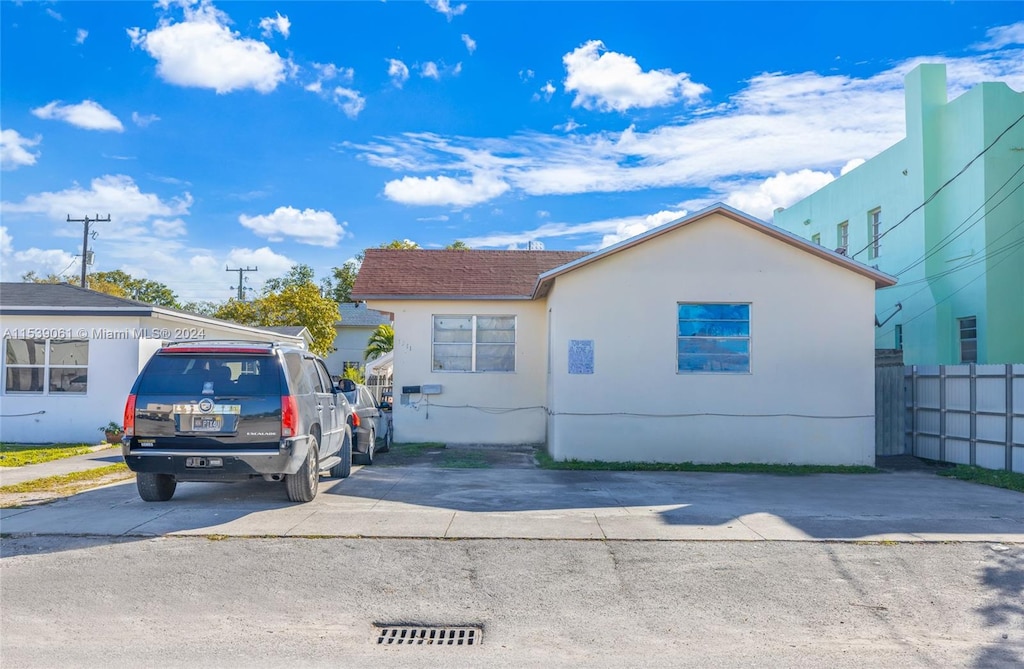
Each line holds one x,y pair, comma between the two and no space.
943,211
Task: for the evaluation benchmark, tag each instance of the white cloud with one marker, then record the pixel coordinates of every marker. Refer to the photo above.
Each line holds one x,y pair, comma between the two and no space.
54,14
546,91
439,218
526,75
329,72
444,190
80,36
350,101
851,165
169,228
610,81
429,70
469,42
569,126
15,150
117,195
631,227
279,23
86,114
445,7
202,52
760,199
309,226
1000,36
612,230
143,120
398,71
41,261
776,123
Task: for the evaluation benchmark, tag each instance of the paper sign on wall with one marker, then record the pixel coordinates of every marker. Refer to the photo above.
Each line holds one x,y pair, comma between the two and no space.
581,356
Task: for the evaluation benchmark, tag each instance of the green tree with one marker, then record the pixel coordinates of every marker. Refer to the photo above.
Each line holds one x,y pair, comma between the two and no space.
143,290
457,245
381,341
295,303
298,275
201,307
354,374
117,283
339,285
405,244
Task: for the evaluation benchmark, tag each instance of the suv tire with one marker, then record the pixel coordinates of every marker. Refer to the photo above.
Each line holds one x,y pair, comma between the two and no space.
344,467
303,484
155,487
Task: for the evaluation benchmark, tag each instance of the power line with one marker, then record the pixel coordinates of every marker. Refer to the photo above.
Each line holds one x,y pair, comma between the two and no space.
85,237
241,271
940,188
949,238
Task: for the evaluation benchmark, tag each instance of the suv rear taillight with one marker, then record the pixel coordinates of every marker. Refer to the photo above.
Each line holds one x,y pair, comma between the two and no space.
129,417
289,416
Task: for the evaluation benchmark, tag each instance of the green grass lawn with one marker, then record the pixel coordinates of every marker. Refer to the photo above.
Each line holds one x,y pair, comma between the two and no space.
18,455
547,462
992,477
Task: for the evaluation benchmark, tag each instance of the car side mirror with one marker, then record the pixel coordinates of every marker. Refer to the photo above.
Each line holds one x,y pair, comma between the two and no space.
385,406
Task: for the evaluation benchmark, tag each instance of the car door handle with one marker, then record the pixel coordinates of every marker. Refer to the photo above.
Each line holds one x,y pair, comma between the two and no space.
333,407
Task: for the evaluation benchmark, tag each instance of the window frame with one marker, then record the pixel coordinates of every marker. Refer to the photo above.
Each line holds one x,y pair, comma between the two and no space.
843,236
748,338
473,343
816,238
47,367
898,331
961,322
874,232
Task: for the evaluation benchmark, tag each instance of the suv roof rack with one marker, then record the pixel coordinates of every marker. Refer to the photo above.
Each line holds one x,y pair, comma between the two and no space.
221,346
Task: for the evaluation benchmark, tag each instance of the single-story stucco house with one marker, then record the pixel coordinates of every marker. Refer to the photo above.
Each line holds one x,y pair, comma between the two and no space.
353,330
713,338
71,356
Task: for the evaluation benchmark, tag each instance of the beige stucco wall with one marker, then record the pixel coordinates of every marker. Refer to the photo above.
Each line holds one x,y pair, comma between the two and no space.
119,346
477,408
812,353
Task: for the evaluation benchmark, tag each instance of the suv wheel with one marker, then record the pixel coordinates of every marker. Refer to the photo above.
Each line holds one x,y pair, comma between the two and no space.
155,487
344,468
303,484
371,448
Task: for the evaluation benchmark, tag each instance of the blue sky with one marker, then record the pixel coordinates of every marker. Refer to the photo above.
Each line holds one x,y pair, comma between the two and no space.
272,133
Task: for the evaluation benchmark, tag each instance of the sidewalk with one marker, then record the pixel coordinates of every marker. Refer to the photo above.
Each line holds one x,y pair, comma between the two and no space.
102,455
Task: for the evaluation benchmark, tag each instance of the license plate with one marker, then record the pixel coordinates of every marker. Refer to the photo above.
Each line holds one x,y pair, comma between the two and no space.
206,423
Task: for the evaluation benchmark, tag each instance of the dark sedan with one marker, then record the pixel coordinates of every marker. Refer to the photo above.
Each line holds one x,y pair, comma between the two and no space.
373,429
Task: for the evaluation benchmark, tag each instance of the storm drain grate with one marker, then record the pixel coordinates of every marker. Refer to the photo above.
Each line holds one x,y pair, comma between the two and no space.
410,635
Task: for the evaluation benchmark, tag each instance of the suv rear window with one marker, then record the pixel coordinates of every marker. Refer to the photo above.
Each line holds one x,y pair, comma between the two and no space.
180,374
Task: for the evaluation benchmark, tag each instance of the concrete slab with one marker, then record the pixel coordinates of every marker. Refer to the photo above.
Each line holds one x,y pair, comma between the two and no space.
539,504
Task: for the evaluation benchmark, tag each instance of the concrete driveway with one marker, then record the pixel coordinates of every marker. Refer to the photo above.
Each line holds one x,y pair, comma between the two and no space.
527,503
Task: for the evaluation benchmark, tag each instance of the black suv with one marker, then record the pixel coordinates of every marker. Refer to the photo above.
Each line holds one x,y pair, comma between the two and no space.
228,411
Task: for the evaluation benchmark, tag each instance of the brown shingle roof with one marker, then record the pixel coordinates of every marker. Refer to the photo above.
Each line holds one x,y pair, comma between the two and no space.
404,273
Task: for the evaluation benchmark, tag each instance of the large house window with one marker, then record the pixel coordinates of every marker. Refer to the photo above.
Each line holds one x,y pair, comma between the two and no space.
874,232
474,344
46,366
968,339
713,338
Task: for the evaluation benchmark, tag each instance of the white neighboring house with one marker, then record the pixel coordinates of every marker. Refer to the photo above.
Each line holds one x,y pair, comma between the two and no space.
71,356
714,338
353,330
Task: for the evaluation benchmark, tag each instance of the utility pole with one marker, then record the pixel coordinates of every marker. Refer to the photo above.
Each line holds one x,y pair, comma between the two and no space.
85,237
241,270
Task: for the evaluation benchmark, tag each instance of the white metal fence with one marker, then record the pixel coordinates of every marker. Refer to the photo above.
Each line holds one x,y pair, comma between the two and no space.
966,414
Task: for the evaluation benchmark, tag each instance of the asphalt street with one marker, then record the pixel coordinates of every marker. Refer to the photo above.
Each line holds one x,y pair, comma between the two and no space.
301,602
